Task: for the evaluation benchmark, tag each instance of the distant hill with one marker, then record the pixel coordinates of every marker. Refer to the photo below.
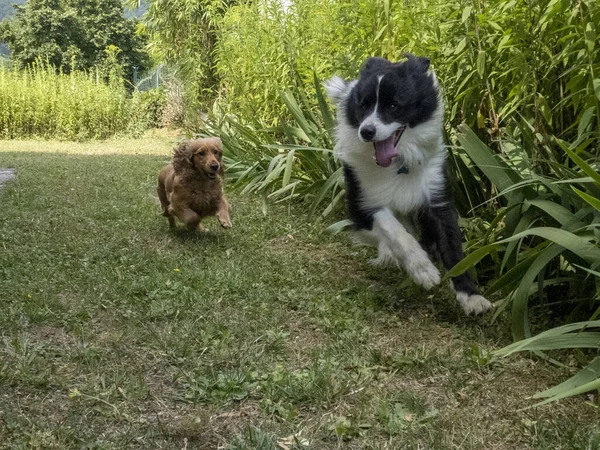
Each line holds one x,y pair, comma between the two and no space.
6,7
7,10
139,12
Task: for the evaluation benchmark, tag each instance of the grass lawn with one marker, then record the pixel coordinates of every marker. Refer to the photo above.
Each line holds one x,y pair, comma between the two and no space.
117,333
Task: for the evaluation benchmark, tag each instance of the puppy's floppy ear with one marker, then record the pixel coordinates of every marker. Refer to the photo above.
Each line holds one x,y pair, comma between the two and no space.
419,63
373,65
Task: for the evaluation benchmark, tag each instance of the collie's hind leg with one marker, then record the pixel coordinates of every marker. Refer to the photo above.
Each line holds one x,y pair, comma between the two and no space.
441,232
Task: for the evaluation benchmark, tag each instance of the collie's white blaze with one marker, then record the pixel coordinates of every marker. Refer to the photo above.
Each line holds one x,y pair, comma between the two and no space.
382,130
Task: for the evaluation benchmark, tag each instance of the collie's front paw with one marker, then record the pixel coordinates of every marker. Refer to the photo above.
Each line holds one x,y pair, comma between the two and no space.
473,304
424,273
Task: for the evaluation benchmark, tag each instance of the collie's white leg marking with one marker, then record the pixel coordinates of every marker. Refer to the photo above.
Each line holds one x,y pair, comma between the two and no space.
473,304
399,246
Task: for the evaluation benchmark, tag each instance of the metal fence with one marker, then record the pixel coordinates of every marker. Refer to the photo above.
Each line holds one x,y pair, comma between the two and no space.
150,79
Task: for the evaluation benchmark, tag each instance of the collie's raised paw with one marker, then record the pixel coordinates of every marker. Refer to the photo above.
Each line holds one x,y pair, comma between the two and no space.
473,304
424,273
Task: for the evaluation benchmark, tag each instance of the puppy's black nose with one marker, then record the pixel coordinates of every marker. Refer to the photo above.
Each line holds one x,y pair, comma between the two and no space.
368,132
214,166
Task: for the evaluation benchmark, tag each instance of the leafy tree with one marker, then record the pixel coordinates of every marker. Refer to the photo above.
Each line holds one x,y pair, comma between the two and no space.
74,34
184,33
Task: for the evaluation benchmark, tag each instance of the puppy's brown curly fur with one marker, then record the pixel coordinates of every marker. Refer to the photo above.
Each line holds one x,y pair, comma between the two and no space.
190,188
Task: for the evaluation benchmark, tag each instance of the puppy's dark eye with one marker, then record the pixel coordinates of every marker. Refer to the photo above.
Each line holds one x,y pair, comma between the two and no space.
202,153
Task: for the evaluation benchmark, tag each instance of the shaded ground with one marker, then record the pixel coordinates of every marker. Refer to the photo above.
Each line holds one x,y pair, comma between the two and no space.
116,333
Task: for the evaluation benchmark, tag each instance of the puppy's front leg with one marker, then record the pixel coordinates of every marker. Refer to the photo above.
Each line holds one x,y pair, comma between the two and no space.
398,244
223,214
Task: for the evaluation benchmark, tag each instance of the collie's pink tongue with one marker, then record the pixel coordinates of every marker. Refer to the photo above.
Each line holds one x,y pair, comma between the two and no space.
385,151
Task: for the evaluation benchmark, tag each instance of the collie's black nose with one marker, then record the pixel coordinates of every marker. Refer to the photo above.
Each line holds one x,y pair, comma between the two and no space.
368,132
214,166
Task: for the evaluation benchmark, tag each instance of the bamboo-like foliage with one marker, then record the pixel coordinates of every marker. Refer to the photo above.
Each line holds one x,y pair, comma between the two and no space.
38,102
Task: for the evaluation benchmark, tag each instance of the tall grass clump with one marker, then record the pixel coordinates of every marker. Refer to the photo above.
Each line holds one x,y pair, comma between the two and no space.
40,102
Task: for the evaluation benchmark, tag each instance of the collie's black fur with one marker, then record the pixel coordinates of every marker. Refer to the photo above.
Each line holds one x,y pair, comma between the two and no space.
390,141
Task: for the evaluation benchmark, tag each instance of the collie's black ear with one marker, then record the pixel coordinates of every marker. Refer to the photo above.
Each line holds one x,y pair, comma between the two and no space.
419,63
373,65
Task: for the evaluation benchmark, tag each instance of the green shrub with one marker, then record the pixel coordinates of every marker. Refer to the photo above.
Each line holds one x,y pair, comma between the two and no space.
40,103
149,107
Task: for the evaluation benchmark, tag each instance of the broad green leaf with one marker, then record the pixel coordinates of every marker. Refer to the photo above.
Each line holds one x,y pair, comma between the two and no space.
573,340
323,107
461,46
466,13
520,323
563,238
588,198
590,36
592,385
559,213
580,162
289,165
545,109
503,42
586,117
557,331
586,375
596,84
490,164
481,63
512,276
309,128
338,226
329,184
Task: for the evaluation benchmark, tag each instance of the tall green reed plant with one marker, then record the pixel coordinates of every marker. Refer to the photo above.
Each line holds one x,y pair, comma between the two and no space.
544,247
38,102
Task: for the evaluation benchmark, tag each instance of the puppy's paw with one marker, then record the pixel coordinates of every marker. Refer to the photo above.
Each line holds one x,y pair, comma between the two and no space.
202,229
423,272
226,223
473,304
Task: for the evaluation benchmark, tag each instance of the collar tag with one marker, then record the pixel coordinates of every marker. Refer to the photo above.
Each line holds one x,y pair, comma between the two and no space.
402,170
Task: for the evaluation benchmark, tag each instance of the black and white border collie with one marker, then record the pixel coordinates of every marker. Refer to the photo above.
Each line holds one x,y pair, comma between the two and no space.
389,138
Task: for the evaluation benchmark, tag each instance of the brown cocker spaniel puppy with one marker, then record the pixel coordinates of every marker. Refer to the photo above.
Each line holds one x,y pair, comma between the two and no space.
190,188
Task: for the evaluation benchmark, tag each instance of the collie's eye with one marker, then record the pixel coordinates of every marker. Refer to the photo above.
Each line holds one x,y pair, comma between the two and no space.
393,106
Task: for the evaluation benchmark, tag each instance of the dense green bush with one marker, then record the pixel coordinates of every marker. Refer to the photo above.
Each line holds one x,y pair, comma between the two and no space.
149,107
39,103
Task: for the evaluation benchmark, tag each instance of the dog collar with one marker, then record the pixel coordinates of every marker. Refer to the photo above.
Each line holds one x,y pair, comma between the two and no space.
402,170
